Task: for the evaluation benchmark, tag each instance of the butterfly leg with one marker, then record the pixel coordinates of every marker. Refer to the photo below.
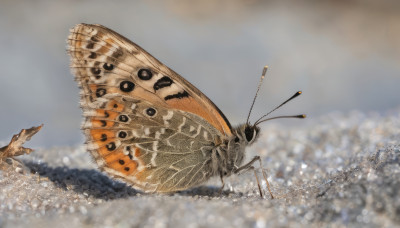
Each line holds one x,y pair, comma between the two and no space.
258,182
223,184
266,180
248,166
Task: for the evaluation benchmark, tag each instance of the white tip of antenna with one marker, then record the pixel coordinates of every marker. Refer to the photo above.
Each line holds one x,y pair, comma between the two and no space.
264,71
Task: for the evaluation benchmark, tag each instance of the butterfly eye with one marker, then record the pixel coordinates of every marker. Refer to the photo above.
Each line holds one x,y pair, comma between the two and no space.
145,74
250,133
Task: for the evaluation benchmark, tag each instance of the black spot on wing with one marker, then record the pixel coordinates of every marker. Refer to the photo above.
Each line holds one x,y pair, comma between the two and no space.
108,66
95,70
122,134
150,111
162,82
94,39
90,45
111,146
117,54
100,92
179,95
145,74
126,86
92,55
103,123
123,118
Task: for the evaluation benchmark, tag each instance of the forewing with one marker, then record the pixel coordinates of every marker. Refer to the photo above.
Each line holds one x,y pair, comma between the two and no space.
100,52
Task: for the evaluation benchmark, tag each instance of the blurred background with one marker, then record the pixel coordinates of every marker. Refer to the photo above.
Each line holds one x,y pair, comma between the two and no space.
343,55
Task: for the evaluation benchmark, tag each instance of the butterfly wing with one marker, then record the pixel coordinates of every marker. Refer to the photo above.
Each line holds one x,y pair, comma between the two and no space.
144,123
154,148
158,83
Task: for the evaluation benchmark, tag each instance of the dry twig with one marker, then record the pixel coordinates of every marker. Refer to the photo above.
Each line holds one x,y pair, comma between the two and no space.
14,148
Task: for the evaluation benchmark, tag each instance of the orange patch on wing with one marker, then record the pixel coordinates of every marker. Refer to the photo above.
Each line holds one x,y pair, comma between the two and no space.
106,114
137,152
93,88
103,151
115,106
189,104
110,43
142,94
120,162
104,49
102,123
78,42
102,144
114,156
102,135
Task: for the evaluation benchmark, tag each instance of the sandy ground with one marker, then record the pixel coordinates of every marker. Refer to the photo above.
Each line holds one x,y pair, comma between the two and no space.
339,170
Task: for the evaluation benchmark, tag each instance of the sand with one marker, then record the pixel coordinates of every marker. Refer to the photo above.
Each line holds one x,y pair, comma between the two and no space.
336,170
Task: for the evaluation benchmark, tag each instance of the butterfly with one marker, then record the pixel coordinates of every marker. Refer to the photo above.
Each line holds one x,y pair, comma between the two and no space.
147,125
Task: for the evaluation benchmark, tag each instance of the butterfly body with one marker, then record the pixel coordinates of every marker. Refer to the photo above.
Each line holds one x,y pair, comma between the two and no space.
144,123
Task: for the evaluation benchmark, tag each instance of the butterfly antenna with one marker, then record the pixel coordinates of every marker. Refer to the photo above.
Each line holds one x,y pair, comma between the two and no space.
291,98
301,116
258,89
